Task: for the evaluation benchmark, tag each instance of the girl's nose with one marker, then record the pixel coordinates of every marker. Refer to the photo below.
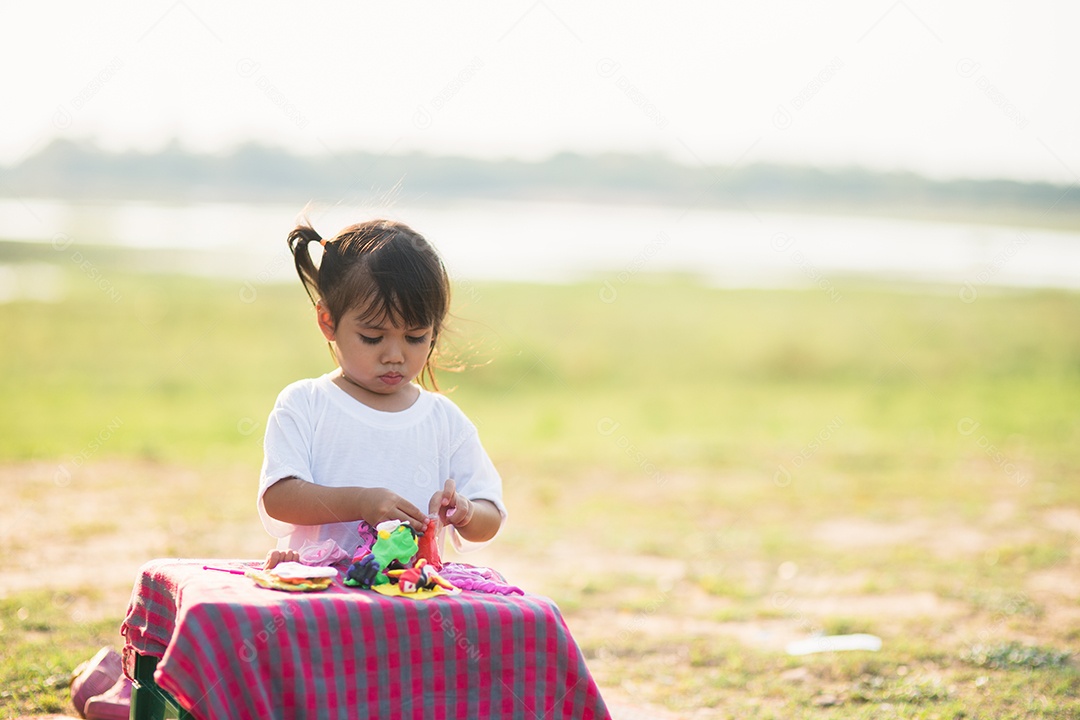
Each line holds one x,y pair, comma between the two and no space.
393,353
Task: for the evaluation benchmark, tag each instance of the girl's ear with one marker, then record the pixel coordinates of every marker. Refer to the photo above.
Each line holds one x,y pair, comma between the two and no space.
326,322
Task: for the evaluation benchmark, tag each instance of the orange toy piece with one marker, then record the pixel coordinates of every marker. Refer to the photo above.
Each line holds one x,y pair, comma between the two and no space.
428,544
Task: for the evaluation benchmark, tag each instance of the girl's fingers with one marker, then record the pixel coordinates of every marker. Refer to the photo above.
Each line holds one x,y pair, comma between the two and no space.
412,515
435,503
449,498
442,498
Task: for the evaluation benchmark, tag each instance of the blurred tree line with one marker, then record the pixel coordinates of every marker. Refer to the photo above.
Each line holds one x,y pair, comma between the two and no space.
252,172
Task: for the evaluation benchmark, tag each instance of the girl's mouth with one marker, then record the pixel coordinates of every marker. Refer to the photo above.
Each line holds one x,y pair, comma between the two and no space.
391,378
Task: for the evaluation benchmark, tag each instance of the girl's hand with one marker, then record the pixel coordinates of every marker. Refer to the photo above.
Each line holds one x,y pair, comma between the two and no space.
379,504
451,507
274,557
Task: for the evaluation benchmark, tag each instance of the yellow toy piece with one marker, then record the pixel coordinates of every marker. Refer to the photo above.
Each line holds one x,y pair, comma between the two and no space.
391,590
267,579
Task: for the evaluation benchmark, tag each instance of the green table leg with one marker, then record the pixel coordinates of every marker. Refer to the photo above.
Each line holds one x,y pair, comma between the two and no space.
148,701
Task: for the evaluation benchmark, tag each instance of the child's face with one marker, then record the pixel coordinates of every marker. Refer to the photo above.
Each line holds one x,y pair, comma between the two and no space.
383,358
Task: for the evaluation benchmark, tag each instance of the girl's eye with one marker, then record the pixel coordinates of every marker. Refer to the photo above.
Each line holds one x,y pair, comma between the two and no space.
370,340
416,340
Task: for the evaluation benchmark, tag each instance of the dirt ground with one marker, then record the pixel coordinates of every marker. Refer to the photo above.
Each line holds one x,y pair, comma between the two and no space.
102,522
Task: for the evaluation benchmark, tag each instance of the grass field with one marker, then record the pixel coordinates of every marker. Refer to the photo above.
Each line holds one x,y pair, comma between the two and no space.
739,469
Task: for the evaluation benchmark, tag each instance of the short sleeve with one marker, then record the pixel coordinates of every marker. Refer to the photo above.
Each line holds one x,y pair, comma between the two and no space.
286,453
474,474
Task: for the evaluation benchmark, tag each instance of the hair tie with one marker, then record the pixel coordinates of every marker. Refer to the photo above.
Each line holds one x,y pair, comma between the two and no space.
322,241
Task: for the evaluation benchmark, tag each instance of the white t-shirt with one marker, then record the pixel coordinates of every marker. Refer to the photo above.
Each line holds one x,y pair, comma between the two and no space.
319,433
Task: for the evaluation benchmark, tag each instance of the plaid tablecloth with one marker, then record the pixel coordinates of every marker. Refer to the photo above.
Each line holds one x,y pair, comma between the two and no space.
231,649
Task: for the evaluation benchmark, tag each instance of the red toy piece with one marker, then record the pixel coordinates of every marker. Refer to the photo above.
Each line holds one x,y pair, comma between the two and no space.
428,545
419,577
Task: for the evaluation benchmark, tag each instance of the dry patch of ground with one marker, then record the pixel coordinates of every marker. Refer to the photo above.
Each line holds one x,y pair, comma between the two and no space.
92,527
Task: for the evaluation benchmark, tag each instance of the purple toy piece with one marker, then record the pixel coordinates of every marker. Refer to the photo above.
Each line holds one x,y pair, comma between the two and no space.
478,579
367,540
362,573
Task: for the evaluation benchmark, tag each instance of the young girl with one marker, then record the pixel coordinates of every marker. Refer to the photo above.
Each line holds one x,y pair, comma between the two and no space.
364,442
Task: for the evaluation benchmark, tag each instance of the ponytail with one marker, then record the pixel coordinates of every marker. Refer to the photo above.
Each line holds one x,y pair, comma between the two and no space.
299,239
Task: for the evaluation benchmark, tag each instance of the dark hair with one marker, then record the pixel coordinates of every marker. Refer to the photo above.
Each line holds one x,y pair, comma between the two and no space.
383,267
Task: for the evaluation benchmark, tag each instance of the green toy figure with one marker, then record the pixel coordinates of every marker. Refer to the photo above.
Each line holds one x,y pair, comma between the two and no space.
395,541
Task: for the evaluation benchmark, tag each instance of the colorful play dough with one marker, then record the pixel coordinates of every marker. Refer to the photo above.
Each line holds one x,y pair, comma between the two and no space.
294,580
396,543
299,571
363,572
420,576
428,544
326,552
421,594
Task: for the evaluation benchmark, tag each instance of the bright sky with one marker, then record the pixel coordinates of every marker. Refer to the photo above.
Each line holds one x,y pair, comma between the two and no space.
965,88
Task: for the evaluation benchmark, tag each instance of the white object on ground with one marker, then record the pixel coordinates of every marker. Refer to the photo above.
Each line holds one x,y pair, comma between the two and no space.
832,643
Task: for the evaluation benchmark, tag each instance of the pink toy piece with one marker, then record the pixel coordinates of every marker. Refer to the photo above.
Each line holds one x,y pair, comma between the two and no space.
224,570
326,552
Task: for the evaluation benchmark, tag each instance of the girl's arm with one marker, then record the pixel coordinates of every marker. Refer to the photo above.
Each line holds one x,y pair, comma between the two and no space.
485,522
303,503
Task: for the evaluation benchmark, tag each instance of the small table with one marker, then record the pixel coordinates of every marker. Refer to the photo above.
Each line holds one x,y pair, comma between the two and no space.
224,647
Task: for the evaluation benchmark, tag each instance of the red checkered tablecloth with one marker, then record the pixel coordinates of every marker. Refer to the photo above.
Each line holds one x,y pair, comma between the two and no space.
231,649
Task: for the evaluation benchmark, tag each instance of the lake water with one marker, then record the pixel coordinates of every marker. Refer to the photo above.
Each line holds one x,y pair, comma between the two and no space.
554,242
